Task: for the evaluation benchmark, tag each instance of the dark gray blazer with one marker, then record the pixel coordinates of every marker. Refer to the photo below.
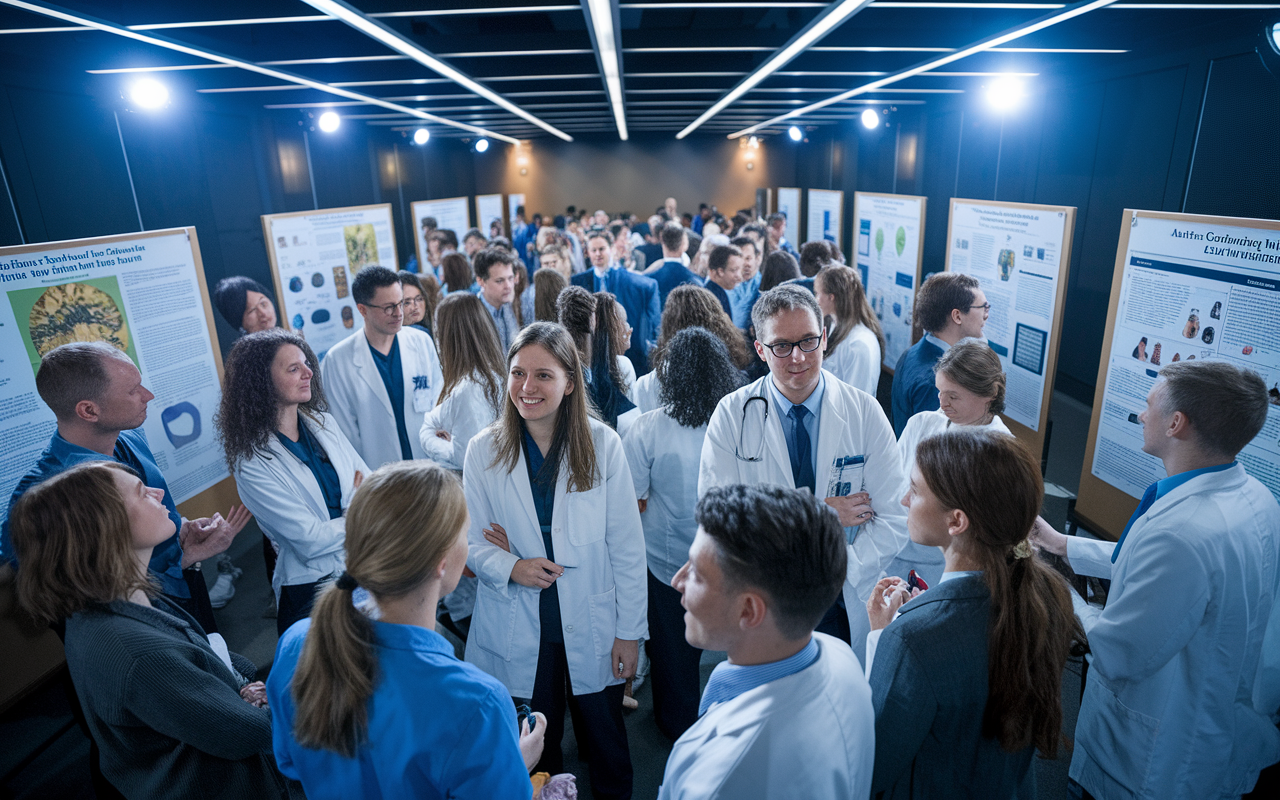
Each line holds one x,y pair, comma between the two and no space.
929,690
165,711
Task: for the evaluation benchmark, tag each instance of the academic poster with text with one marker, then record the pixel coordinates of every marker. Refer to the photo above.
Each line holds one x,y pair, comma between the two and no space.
887,251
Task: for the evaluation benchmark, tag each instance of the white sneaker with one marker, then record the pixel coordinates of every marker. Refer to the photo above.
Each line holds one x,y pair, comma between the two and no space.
223,590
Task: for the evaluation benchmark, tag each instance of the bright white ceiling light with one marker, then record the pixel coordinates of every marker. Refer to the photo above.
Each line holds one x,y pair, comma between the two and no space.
482,145
1275,36
421,136
329,121
821,25
1005,93
380,32
870,119
610,61
149,93
795,133
1048,20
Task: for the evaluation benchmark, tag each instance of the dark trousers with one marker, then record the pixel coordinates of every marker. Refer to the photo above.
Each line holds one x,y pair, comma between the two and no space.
673,662
836,621
597,724
197,605
295,604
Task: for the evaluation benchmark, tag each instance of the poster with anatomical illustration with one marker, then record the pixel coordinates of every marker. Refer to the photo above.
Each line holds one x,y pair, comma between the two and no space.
1020,253
888,251
141,293
314,257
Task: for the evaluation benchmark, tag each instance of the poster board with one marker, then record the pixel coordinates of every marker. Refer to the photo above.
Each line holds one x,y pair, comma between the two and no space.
514,201
451,214
764,202
146,294
825,210
314,257
889,253
1021,254
788,203
488,209
1215,278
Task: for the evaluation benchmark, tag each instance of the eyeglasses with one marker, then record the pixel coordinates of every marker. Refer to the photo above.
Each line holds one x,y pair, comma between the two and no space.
806,345
412,301
390,309
984,307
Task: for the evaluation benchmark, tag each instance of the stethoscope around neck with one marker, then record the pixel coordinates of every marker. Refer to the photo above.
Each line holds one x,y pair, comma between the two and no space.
742,431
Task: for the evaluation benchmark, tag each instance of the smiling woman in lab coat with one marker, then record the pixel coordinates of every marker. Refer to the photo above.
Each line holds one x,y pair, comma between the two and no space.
293,467
556,542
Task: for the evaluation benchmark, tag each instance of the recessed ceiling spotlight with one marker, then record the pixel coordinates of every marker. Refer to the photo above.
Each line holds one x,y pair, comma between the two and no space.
870,119
149,93
421,136
795,133
482,145
329,121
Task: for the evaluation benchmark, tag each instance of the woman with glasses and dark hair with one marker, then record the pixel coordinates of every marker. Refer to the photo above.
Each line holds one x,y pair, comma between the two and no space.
294,468
421,296
663,449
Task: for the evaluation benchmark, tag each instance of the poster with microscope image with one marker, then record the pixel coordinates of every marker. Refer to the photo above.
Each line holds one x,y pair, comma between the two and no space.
143,294
1192,288
314,257
1020,254
887,250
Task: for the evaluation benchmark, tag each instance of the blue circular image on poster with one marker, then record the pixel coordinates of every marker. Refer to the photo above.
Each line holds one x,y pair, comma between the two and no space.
897,309
297,320
317,280
295,284
319,316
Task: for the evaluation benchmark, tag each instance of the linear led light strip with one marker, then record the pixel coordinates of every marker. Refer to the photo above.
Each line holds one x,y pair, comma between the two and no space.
1070,12
610,63
379,32
168,44
821,25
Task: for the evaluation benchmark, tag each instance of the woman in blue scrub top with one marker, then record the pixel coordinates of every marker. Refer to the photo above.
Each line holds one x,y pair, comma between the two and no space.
384,709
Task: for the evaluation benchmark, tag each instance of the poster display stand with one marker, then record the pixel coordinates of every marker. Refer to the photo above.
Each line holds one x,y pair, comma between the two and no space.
889,251
825,213
1185,287
788,204
144,293
314,257
1021,254
450,214
514,201
488,211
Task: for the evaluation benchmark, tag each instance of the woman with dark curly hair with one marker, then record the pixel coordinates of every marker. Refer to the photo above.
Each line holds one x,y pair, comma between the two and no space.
664,447
294,468
689,306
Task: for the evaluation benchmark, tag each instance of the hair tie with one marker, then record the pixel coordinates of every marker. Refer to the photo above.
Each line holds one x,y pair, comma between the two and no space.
1022,549
347,583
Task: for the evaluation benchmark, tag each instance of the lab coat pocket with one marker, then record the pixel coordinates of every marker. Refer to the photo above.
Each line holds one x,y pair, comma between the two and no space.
1119,739
587,515
604,622
422,393
494,619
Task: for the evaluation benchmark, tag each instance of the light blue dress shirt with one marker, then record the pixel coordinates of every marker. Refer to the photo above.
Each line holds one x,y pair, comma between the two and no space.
742,299
732,680
782,407
943,346
499,320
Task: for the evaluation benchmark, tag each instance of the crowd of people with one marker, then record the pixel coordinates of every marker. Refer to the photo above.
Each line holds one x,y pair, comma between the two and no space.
593,451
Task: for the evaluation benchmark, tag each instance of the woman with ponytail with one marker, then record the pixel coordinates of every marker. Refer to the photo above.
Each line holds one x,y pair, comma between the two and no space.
966,680
371,709
855,343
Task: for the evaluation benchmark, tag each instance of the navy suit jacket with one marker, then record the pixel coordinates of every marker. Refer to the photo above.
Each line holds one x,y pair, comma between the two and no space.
652,253
929,691
670,275
721,295
913,387
805,282
638,294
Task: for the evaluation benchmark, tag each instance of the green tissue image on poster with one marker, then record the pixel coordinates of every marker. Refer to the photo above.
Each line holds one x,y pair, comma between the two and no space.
900,241
362,246
89,310
879,241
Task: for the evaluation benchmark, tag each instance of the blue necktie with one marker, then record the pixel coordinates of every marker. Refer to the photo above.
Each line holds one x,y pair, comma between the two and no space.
1148,499
801,453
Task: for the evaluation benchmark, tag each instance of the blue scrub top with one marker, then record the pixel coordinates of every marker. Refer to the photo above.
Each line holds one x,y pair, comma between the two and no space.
310,452
393,379
438,727
543,486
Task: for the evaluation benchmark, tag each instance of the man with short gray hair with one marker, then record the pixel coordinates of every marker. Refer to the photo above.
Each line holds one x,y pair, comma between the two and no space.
1176,705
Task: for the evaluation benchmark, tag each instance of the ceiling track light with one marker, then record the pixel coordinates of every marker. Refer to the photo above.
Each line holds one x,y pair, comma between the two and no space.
169,44
379,32
1048,20
604,36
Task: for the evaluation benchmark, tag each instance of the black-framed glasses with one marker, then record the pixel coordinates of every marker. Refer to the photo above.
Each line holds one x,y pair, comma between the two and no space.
806,345
390,309
984,307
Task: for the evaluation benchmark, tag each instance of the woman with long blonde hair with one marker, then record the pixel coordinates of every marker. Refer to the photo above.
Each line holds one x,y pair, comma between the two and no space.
855,343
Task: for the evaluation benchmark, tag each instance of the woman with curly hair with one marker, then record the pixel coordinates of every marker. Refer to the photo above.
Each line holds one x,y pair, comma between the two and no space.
294,468
689,306
663,448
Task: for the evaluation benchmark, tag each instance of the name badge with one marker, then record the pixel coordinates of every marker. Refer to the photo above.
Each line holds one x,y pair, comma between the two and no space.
422,393
845,477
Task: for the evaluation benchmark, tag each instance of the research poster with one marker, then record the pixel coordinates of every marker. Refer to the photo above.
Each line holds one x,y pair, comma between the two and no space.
789,206
488,211
826,207
514,201
314,257
888,242
144,294
1020,254
1192,288
450,214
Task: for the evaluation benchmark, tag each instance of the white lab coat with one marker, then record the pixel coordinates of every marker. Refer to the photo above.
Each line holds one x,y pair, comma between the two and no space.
628,371
808,735
851,423
285,498
856,360
644,392
359,401
598,539
1167,711
463,414
663,456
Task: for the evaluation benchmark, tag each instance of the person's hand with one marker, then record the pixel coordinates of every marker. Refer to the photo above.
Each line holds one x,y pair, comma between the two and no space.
496,535
255,694
208,536
1044,537
531,740
886,598
644,503
854,509
624,657
536,573
443,435
357,479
